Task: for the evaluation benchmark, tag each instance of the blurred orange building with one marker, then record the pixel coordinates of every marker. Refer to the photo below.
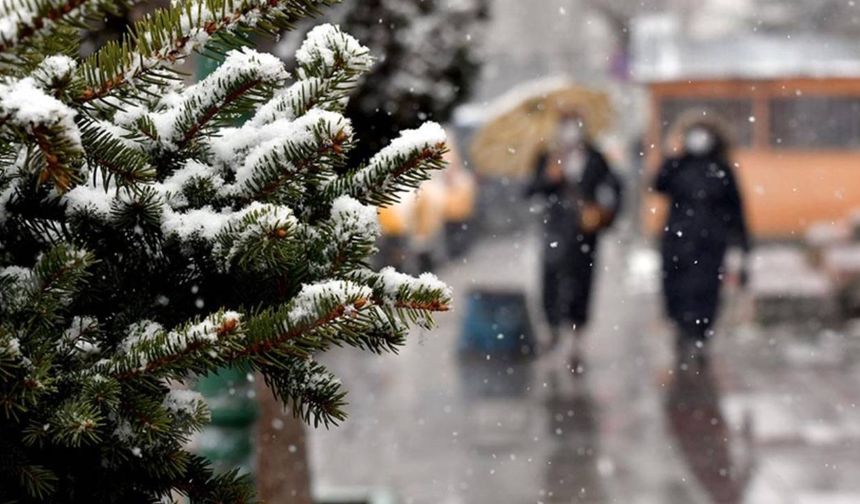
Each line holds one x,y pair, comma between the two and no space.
792,105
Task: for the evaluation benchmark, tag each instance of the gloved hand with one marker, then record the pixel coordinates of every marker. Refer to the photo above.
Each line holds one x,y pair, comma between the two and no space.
554,173
591,218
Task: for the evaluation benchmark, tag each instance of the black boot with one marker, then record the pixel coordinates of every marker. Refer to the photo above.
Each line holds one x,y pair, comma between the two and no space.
691,350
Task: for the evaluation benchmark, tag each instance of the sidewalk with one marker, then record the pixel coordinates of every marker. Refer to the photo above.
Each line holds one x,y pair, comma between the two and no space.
778,423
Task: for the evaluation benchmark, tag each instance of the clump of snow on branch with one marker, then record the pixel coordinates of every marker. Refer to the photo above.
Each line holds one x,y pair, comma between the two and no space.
339,292
208,330
203,223
12,348
430,136
76,336
140,332
93,197
395,283
349,217
182,401
328,46
27,105
174,186
54,69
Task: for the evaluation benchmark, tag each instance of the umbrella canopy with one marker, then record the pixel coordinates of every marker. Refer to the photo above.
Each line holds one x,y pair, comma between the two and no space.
510,143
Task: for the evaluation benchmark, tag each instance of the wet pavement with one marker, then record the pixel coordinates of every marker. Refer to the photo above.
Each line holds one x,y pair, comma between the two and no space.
773,420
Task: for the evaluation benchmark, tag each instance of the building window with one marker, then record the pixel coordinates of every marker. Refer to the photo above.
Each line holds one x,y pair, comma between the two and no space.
735,113
815,122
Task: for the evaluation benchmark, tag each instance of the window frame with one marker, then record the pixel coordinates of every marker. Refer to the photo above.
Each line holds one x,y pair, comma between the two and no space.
772,132
760,91
745,140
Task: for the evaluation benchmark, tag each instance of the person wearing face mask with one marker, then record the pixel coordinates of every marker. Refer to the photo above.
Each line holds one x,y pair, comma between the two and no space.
583,196
705,218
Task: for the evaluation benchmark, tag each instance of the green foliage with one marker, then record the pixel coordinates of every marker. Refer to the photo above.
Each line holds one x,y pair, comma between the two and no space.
153,232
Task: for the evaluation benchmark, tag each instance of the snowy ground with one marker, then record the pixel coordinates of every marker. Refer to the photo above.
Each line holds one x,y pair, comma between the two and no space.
775,422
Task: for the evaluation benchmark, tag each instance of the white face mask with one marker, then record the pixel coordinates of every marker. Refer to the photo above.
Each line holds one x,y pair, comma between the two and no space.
571,133
699,142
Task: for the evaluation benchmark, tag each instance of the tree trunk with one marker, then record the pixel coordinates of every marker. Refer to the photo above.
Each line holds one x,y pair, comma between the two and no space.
283,470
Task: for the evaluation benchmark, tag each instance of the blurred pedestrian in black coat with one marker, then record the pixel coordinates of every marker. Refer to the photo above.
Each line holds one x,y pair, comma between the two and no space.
706,217
583,196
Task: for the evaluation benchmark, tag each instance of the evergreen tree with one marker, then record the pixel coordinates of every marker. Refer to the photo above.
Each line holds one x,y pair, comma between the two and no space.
152,232
428,62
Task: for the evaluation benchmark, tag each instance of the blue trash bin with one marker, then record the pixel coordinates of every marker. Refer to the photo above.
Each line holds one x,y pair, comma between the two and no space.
497,323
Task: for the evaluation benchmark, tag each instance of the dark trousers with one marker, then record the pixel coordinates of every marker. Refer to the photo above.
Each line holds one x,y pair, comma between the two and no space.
567,277
692,279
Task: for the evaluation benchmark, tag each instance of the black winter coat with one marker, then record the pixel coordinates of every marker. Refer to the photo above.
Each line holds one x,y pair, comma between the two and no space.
568,252
705,218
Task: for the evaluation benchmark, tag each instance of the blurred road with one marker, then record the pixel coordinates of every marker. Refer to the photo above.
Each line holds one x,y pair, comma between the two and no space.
774,421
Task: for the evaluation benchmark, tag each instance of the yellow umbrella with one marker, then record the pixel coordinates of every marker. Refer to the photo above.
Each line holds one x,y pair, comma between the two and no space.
510,143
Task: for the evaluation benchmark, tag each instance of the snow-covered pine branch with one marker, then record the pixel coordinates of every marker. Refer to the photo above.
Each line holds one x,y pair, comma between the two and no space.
21,20
244,78
307,149
155,231
330,64
402,165
257,237
430,62
196,347
170,35
27,110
